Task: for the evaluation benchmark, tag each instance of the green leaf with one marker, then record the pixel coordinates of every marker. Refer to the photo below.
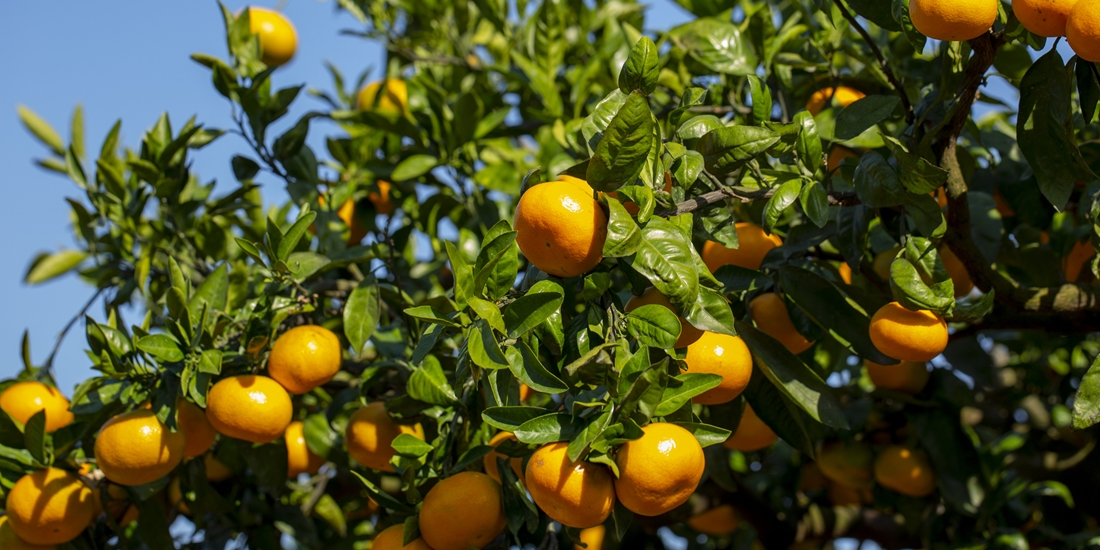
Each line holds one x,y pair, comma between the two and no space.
625,144
362,313
290,239
528,368
1086,404
973,312
483,347
410,445
917,174
510,419
654,325
49,266
381,497
329,511
866,112
815,203
34,436
761,99
304,264
711,312
41,130
697,127
623,234
413,167
641,68
431,315
682,388
912,292
497,263
783,198
244,169
549,428
717,44
532,309
429,384
781,414
727,149
877,183
488,312
664,257
161,346
212,293
809,143
706,434
900,10
463,273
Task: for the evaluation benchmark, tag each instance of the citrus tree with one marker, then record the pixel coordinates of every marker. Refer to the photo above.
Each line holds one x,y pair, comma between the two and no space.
761,280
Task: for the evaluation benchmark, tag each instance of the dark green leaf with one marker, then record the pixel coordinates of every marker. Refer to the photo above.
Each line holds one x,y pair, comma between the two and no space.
640,70
1086,404
361,313
727,149
783,198
34,436
161,346
623,234
627,141
533,308
682,388
717,44
429,384
866,112
510,419
654,325
528,368
549,428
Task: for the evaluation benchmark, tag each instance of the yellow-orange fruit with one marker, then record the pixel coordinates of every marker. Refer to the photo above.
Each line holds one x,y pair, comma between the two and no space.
392,537
299,459
304,357
837,154
381,199
370,433
660,470
118,506
1078,258
881,264
574,494
249,407
843,95
688,333
811,479
718,521
461,512
356,231
752,434
23,399
752,245
1043,17
847,463
197,431
560,227
953,20
960,277
592,538
771,316
724,355
216,470
908,335
10,541
278,39
49,506
524,392
843,495
845,272
175,497
906,377
136,448
1083,30
490,460
394,99
906,471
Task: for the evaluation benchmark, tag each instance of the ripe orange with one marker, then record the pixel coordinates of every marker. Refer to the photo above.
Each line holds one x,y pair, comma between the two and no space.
299,459
49,506
381,199
718,521
175,497
356,231
196,429
216,470
1083,30
953,20
524,391
10,541
726,356
249,407
394,100
660,470
304,357
574,494
960,277
136,448
688,333
752,245
592,538
811,479
881,264
560,228
771,316
1073,264
843,495
906,471
843,95
278,39
845,271
906,377
848,464
837,154
370,433
391,538
908,335
119,507
462,511
23,399
1043,17
490,460
752,434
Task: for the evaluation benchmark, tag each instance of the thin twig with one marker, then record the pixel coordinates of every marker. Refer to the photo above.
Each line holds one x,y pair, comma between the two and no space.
909,117
48,365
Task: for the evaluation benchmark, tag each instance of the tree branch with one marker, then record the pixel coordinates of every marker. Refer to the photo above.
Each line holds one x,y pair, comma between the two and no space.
709,200
894,82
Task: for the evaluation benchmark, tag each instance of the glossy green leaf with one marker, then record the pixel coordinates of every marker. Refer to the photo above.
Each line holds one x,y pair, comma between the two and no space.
161,346
362,312
549,428
429,384
682,388
727,149
621,153
49,266
640,70
864,113
654,325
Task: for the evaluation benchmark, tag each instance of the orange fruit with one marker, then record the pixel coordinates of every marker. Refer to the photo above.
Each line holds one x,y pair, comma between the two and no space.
844,96
249,407
906,471
370,433
574,494
837,154
718,521
524,391
881,264
356,231
908,335
592,538
462,511
848,464
196,429
136,448
10,541
953,20
811,479
1043,17
906,377
299,459
278,39
381,199
1083,30
49,506
304,357
560,228
118,504
391,538
845,271
175,497
1074,263
724,355
843,495
216,470
752,245
394,100
688,333
752,434
960,277
660,470
23,399
771,316
490,460
941,197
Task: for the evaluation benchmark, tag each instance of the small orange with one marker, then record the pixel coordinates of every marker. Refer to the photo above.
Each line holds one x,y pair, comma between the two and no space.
136,448
718,521
49,506
23,399
752,245
953,20
304,357
1044,17
1074,264
299,459
843,95
490,460
908,335
524,391
845,272
574,494
216,470
688,333
278,39
881,264
1083,30
592,538
10,541
660,470
381,199
960,277
846,463
843,495
906,377
370,433
462,511
837,155
906,471
394,100
752,434
356,231
392,537
771,316
726,356
195,427
249,407
560,228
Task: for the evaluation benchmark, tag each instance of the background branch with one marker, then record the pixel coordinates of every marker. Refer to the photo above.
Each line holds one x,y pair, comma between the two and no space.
894,82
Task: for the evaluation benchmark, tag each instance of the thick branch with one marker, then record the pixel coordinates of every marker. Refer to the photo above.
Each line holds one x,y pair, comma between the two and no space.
894,82
709,200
